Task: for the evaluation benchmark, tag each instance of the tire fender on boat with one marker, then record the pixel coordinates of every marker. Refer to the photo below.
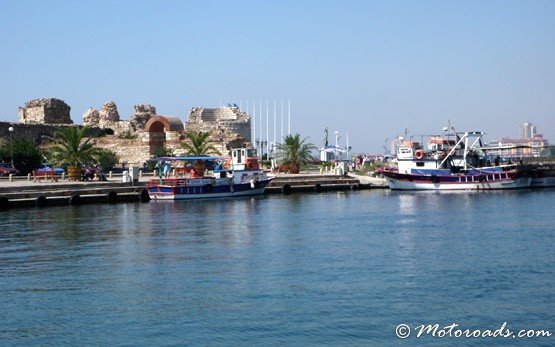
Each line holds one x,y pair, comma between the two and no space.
435,179
482,178
208,188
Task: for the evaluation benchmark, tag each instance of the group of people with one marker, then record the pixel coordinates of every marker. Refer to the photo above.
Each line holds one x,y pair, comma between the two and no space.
91,172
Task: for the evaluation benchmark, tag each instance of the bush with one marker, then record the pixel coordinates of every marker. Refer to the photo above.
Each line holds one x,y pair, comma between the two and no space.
164,152
128,135
107,159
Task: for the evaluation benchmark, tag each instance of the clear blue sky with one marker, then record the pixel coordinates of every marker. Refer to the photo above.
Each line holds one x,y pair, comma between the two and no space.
366,68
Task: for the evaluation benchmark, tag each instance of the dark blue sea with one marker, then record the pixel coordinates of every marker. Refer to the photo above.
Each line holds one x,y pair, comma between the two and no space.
328,269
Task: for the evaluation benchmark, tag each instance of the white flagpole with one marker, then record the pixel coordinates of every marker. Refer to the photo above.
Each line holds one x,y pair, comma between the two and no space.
253,125
281,139
267,126
275,116
289,117
260,126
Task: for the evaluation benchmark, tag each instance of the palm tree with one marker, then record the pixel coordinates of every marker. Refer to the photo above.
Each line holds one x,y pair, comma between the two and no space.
72,148
294,151
200,144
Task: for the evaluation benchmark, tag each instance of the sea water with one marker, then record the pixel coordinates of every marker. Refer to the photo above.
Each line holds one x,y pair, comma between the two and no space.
333,269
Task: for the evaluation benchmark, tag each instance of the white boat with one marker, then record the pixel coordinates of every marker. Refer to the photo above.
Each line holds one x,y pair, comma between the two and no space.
459,164
239,175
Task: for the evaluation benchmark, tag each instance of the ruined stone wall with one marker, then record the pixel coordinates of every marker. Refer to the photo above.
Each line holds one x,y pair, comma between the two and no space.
142,114
107,117
229,119
129,151
45,111
38,132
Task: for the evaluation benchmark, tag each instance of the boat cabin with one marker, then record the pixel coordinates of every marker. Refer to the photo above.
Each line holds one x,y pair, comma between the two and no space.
244,159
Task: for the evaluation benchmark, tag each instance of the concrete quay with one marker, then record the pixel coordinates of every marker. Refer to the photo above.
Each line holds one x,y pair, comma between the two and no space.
21,192
286,184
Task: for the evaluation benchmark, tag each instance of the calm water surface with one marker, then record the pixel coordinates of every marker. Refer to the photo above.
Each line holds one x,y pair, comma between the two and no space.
338,268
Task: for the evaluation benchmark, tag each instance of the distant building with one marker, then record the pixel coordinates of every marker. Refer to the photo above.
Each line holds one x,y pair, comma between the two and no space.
530,143
527,131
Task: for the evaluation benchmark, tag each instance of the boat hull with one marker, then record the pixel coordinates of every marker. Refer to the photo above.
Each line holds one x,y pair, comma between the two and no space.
168,192
397,181
543,182
543,177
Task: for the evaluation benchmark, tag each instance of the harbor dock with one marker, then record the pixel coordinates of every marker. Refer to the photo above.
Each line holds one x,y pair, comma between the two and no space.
20,192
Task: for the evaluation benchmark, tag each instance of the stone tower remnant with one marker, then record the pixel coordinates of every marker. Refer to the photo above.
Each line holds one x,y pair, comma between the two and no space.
45,111
142,114
229,121
108,114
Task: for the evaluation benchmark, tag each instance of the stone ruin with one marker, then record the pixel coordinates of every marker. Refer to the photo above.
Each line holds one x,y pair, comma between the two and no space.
229,126
107,117
91,117
142,114
108,114
45,111
231,123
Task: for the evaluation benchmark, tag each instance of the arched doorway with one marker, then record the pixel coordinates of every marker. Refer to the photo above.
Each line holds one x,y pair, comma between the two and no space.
156,127
156,134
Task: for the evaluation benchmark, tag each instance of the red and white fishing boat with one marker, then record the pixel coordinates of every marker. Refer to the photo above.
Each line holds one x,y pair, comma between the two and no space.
458,164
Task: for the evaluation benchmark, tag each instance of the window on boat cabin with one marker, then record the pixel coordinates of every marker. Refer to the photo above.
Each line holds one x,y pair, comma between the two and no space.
419,163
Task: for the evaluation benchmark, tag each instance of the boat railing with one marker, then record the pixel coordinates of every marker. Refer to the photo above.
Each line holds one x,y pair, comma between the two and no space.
180,182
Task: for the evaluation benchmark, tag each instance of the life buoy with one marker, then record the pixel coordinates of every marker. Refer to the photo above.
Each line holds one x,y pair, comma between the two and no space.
419,154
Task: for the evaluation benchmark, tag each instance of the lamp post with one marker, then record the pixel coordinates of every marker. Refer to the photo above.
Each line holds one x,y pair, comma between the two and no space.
10,129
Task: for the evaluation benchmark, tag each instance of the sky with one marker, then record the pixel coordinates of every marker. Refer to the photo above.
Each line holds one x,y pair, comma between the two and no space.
366,69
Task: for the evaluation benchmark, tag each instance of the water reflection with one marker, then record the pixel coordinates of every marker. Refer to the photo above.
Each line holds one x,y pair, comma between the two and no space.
330,268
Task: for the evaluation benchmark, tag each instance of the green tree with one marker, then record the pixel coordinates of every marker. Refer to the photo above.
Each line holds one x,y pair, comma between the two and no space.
26,155
72,148
199,144
295,152
106,159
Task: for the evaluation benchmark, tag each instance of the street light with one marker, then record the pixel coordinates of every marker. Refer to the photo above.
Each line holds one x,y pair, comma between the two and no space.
10,129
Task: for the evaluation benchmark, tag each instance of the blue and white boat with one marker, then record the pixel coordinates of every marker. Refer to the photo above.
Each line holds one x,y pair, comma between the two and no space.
211,177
